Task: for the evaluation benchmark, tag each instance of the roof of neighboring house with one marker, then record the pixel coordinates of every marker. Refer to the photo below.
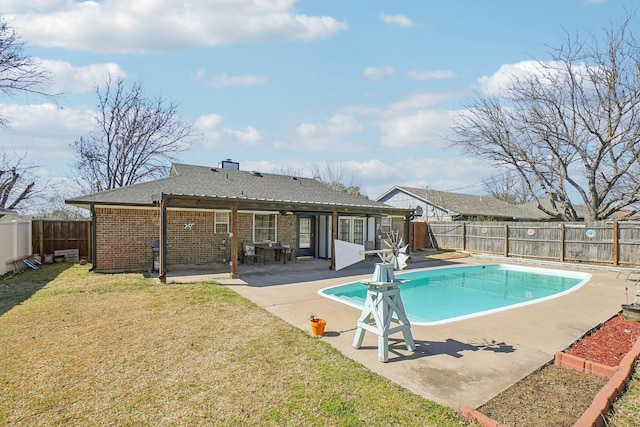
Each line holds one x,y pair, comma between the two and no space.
468,205
230,185
4,211
546,203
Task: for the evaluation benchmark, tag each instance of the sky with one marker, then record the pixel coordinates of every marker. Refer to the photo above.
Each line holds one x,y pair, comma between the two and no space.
370,88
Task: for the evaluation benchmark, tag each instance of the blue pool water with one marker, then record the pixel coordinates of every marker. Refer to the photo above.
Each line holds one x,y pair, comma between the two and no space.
441,295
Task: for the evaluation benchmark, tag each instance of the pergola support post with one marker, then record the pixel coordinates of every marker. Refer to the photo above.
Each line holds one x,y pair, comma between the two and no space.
234,242
162,270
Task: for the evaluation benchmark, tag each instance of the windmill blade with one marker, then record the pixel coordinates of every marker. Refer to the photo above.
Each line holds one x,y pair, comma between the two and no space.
401,261
395,252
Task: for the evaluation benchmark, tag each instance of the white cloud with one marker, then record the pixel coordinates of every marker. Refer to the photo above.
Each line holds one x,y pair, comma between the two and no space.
544,72
419,119
493,84
420,128
421,100
377,73
70,79
44,131
431,75
340,124
397,20
214,135
20,6
224,80
125,26
331,135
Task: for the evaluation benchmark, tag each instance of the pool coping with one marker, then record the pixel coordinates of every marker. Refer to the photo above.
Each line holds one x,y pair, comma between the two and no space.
461,364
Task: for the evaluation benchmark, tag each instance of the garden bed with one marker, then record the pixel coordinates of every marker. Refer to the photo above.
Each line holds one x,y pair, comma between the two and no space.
558,396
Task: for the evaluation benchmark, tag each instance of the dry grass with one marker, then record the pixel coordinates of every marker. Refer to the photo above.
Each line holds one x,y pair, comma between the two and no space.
626,410
78,348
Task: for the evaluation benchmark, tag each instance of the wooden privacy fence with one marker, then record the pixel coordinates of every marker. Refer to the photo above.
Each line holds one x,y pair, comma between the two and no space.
604,242
49,236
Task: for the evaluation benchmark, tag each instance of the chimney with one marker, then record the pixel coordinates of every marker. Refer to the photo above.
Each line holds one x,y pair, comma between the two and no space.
229,164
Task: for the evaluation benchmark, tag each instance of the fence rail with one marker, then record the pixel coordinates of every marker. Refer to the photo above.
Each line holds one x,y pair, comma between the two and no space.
604,242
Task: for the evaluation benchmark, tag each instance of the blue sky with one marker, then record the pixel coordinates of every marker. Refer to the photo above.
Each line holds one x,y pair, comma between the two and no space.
370,87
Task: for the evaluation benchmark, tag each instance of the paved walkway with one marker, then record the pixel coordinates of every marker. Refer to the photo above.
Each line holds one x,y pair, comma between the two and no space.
462,363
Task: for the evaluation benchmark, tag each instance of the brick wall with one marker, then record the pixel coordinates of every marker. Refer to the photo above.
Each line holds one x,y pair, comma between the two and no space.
191,239
124,238
288,229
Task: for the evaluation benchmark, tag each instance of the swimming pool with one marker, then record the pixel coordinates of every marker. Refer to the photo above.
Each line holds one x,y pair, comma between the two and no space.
441,295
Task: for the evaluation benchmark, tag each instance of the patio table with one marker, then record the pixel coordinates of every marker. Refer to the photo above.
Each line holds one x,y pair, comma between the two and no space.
278,251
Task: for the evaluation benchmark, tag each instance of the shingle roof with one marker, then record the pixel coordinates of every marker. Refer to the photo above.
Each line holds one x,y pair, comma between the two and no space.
470,205
581,211
203,181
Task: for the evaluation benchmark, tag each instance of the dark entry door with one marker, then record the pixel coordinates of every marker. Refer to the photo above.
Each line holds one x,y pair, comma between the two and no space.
306,236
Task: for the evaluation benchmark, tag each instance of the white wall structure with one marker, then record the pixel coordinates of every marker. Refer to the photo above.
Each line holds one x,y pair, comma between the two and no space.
15,242
348,254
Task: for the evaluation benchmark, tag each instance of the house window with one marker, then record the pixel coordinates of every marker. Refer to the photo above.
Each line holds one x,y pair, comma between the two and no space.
264,227
358,231
385,224
344,230
351,230
221,223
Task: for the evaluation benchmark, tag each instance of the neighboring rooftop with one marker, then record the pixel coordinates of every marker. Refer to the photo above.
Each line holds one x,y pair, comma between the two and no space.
466,205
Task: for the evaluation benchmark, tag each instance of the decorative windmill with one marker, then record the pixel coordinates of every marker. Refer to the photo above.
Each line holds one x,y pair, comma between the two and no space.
395,252
383,313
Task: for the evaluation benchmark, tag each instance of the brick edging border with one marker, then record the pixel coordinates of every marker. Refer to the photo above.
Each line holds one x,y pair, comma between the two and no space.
594,416
580,364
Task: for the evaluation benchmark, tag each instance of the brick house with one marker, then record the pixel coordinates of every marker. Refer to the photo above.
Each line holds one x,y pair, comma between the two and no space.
202,216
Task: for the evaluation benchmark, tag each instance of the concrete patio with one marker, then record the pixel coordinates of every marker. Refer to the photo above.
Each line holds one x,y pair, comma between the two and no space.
461,363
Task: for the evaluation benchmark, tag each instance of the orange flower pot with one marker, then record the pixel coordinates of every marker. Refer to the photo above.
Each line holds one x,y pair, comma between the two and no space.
317,326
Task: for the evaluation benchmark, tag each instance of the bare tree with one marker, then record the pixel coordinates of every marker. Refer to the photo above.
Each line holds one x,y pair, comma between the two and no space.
289,171
571,127
136,140
17,183
334,177
19,73
508,187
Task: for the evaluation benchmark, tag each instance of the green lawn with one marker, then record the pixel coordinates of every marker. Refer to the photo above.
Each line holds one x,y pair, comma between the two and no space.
79,348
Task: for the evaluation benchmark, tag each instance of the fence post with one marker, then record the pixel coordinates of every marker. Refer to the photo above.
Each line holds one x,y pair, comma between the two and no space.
464,236
506,240
40,225
616,242
562,238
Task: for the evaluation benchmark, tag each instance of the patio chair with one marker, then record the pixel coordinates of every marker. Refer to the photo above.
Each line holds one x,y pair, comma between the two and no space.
289,252
249,253
369,245
634,270
629,275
